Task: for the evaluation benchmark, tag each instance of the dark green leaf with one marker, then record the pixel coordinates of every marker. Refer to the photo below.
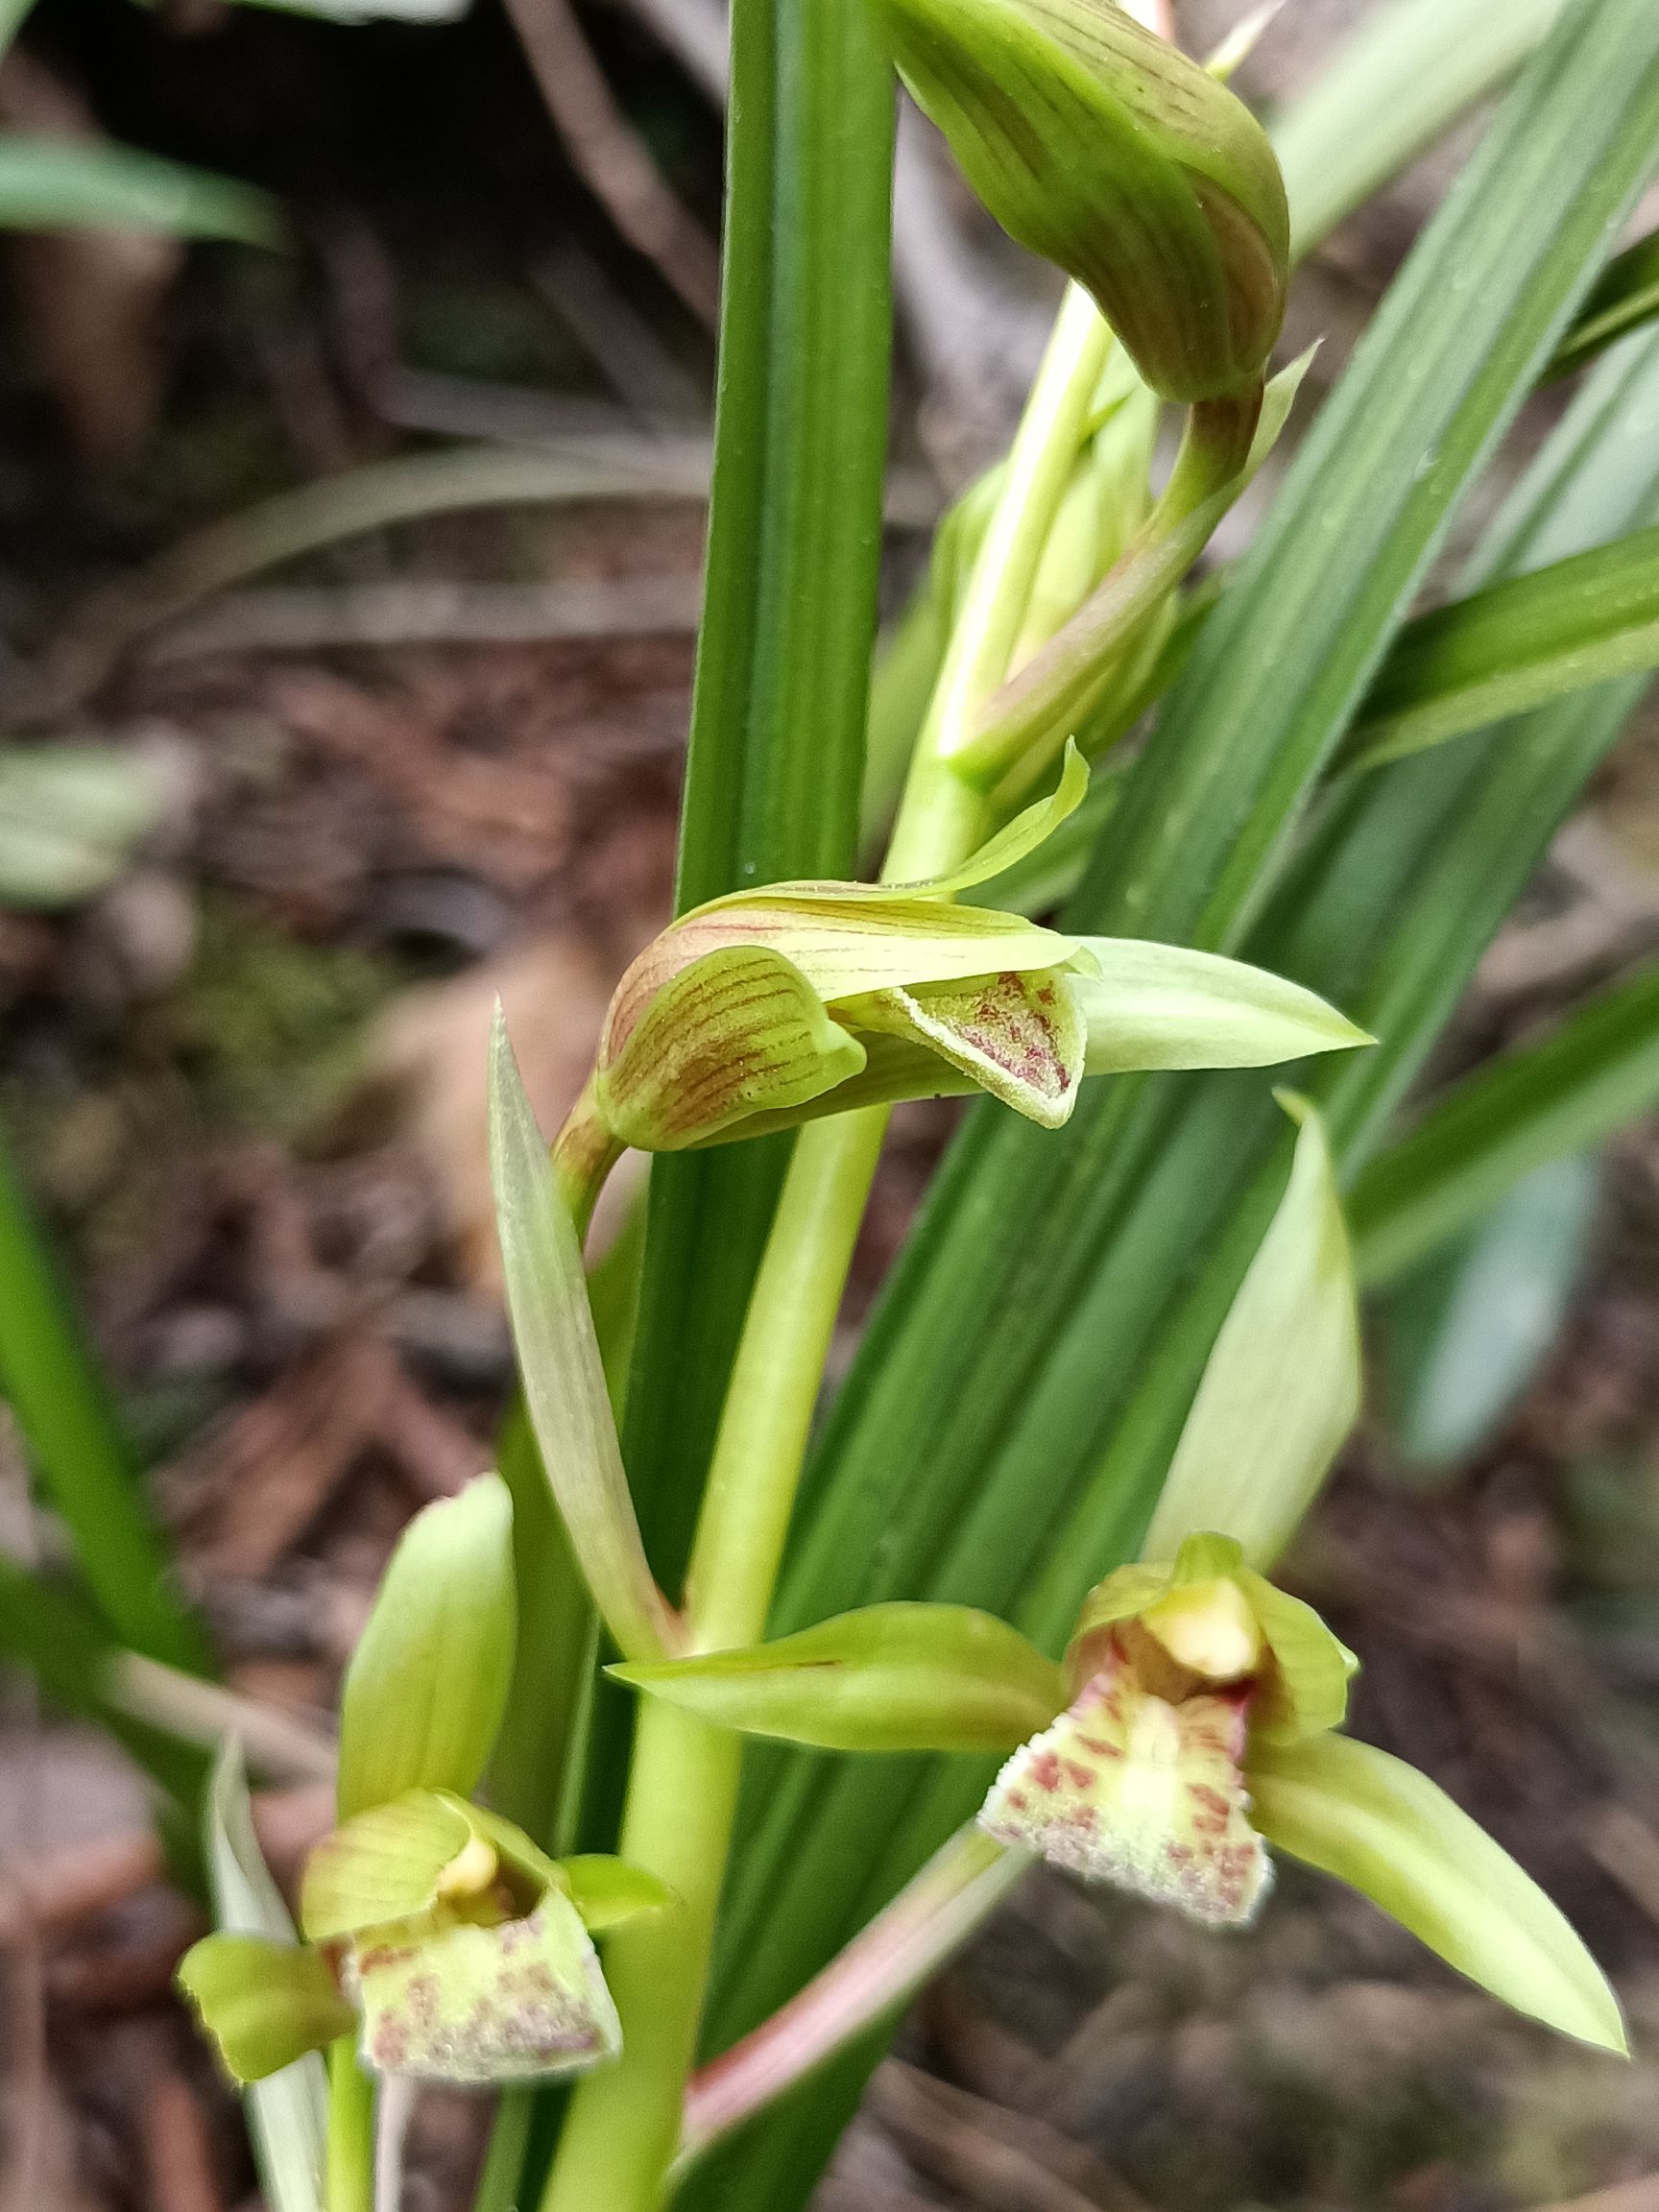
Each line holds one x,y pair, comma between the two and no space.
1626,296
1514,646
77,1446
1598,1070
776,761
1463,1337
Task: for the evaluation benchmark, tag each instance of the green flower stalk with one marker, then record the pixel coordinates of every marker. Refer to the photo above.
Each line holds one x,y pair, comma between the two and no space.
1195,1719
770,1007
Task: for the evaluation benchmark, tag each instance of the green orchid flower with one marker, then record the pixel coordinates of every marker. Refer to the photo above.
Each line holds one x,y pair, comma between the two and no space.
1194,1724
436,1933
765,1008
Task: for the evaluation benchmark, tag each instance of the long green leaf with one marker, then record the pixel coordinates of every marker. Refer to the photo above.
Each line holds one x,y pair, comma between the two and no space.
77,1446
68,184
776,760
1025,1476
1463,1337
1564,1094
1403,80
1514,646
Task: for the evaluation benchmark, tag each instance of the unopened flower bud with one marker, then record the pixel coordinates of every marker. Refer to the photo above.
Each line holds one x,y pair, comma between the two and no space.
1100,147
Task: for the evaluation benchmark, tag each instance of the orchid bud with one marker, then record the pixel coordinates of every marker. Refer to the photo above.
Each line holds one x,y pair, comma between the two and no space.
1099,146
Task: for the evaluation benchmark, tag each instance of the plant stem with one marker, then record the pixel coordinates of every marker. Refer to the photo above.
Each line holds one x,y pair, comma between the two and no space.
348,2184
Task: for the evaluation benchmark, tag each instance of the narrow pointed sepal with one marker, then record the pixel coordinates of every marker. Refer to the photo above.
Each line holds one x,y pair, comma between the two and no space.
520,2000
899,1677
427,1684
1130,1790
264,2004
1388,1830
1150,1005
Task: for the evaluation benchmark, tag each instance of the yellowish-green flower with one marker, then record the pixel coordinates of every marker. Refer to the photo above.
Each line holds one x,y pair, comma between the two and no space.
435,1933
767,1007
1195,1722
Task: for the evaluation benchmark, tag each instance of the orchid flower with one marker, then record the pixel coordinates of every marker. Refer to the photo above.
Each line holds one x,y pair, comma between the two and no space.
1195,1724
771,1006
436,1933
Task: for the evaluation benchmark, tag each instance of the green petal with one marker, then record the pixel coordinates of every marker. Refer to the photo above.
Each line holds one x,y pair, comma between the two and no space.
264,2003
523,2001
895,1678
606,1892
740,1031
1307,1690
1019,1037
1167,1006
385,1865
1280,1388
1377,1823
427,1684
1129,1789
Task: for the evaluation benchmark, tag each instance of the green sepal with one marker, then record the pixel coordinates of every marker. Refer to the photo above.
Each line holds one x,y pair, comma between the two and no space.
1305,1689
897,1678
1099,146
738,1032
427,1685
1388,1830
606,1892
1282,1386
1150,1005
263,2003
